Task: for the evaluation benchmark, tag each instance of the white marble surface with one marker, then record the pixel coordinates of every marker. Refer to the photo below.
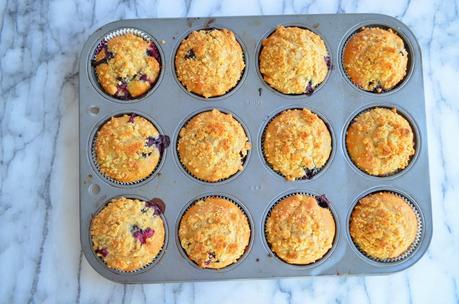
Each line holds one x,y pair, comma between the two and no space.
40,256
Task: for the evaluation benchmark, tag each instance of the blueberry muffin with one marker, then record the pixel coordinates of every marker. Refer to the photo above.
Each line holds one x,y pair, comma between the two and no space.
209,62
128,234
212,146
299,230
383,225
127,66
380,142
297,144
214,232
128,148
294,60
375,59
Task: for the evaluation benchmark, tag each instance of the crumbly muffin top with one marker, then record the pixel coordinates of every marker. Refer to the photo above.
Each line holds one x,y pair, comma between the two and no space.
294,60
297,143
375,59
380,141
128,148
383,225
209,62
127,234
299,231
214,232
127,66
212,146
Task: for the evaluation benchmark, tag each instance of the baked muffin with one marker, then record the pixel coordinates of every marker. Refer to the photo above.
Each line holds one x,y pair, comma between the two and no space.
383,225
375,59
209,62
297,144
127,234
212,146
128,148
294,60
214,232
380,141
127,66
299,230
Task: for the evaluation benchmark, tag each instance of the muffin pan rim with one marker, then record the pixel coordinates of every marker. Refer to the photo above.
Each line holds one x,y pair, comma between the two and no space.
256,191
92,156
410,200
92,71
292,96
231,91
372,24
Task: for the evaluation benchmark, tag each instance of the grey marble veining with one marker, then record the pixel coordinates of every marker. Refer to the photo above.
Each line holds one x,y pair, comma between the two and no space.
40,255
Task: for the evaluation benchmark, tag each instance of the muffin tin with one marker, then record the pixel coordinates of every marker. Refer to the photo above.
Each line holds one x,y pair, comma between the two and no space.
337,101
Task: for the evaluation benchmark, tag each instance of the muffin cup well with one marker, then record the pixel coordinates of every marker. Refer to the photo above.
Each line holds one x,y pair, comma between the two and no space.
184,123
408,47
119,32
323,203
237,204
412,249
148,266
405,115
309,174
110,180
329,61
230,91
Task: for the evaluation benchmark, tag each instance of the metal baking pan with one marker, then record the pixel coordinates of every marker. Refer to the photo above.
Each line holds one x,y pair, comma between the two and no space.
253,103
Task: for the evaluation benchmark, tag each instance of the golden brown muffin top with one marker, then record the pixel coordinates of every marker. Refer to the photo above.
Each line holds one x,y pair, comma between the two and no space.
128,148
127,234
127,66
380,141
299,231
294,60
212,146
375,59
214,232
383,225
297,144
209,62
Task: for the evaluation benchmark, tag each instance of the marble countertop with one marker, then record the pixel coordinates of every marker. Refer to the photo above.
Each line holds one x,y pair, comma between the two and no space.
40,254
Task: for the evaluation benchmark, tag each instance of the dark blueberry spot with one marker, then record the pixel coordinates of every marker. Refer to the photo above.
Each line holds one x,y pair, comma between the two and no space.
135,229
157,205
323,201
131,118
309,173
161,142
144,77
190,54
102,251
378,89
210,257
153,51
108,54
309,89
122,91
142,235
328,62
145,155
260,90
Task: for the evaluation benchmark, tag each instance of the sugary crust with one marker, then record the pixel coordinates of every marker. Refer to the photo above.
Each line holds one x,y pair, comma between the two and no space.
375,59
129,66
380,141
209,62
383,225
121,150
296,140
299,231
212,146
214,232
293,60
112,230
